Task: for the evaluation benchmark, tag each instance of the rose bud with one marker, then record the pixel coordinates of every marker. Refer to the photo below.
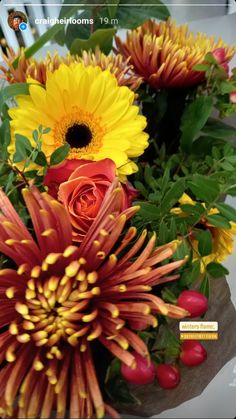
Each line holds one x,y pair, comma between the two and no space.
219,55
192,353
233,97
194,302
168,376
225,67
144,373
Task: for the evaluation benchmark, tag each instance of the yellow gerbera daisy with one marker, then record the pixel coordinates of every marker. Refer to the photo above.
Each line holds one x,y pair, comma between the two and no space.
222,239
86,108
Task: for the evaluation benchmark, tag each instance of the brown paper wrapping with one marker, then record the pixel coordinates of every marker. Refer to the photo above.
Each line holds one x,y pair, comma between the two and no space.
194,380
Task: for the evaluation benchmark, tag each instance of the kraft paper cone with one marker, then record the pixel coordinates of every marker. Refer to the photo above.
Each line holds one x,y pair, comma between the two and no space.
194,380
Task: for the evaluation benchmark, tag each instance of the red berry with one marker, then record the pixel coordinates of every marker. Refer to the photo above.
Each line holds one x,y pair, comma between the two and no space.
168,376
194,302
233,97
192,353
144,373
138,324
219,55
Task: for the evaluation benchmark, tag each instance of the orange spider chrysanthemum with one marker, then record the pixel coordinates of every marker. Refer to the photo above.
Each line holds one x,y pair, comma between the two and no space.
164,54
37,69
61,298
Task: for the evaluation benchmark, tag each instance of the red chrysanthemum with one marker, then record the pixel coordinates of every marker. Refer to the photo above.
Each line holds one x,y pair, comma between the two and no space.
165,55
60,298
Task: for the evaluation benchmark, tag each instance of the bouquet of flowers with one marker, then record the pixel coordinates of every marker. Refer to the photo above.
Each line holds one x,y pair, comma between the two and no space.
115,163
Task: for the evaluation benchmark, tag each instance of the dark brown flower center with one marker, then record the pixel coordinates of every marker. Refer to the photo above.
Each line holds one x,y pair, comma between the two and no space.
78,136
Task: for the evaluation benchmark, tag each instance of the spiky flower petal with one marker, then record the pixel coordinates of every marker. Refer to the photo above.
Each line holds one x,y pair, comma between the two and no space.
37,69
61,298
164,55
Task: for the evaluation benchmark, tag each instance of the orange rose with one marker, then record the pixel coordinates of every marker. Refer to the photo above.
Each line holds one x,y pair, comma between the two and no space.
81,186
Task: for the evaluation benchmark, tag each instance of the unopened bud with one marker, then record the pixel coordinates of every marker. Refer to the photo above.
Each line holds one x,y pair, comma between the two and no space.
233,97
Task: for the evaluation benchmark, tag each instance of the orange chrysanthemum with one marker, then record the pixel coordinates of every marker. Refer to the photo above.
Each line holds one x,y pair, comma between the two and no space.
61,298
164,55
37,69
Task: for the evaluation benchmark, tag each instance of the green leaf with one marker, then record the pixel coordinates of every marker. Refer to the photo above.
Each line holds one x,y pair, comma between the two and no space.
5,138
204,188
201,67
41,159
11,91
190,275
141,188
228,167
172,230
216,270
36,136
226,87
203,145
232,191
204,239
218,129
148,212
59,154
112,7
23,148
113,370
182,250
165,179
205,286
173,195
231,159
193,120
59,38
168,295
210,58
118,390
47,36
228,211
132,16
46,130
218,221
102,38
193,209
81,31
163,233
